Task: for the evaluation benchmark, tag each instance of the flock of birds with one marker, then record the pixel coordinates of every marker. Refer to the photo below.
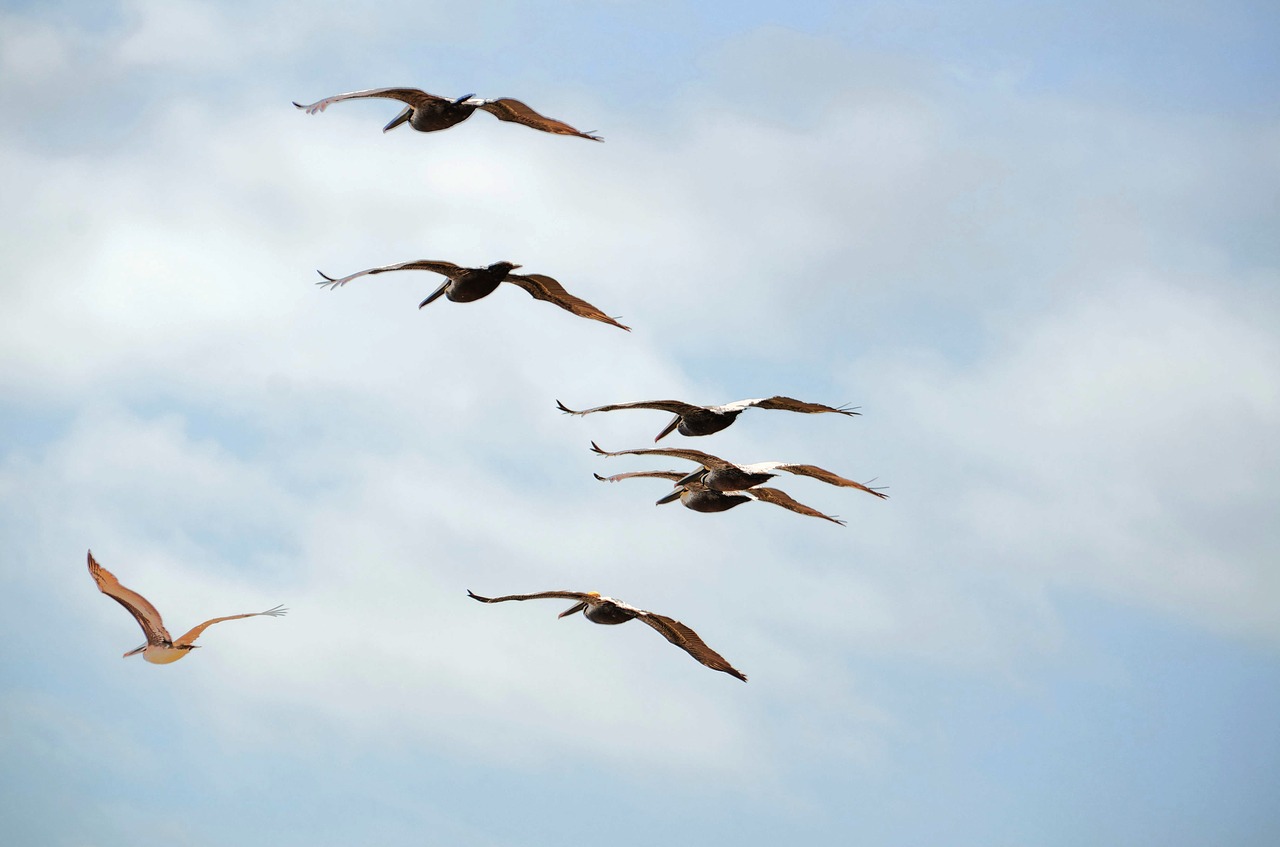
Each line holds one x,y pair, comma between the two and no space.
714,486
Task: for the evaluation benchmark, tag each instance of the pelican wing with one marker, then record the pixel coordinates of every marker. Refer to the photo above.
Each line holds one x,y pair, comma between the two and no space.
817,473
542,287
448,269
580,596
781,498
675,407
143,612
671,475
704,459
687,640
412,96
190,636
506,109
787,404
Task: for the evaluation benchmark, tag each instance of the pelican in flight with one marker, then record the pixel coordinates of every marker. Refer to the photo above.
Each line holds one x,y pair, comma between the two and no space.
464,285
606,610
720,475
704,420
160,648
429,113
697,496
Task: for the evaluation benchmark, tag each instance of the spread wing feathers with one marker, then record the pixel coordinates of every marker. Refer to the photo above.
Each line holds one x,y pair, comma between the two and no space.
671,475
787,404
145,614
412,96
675,407
190,636
815,472
704,459
506,109
580,596
542,287
448,269
781,498
686,639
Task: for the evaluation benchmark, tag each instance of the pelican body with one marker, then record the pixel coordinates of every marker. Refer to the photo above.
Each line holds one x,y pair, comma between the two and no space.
160,648
696,420
610,612
431,113
466,285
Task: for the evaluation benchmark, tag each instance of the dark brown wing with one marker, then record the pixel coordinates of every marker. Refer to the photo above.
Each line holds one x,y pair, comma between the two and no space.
829,478
790,404
704,459
143,612
412,96
686,639
675,407
580,596
781,498
506,109
448,269
194,633
543,287
671,475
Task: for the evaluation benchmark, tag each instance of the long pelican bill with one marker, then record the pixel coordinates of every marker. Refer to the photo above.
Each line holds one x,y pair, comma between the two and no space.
695,476
399,119
436,294
135,651
572,610
669,428
670,498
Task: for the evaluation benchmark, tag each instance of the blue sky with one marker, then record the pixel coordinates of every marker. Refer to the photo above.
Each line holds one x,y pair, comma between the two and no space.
1034,242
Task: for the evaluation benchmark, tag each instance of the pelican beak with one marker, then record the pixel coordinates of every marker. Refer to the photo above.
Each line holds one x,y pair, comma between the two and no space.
399,119
135,651
464,98
695,476
572,610
675,422
436,293
673,496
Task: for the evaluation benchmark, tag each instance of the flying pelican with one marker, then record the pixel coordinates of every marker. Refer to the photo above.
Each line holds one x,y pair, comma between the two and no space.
704,420
697,496
464,285
429,113
159,649
720,475
606,610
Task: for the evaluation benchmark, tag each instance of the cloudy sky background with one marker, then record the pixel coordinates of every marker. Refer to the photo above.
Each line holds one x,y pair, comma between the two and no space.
1035,243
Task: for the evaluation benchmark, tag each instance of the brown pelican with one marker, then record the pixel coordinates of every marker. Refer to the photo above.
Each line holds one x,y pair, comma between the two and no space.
606,610
429,113
719,475
464,285
697,496
704,420
160,649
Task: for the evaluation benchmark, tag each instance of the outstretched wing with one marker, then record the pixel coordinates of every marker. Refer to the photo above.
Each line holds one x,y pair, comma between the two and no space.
671,475
412,96
817,473
704,459
448,269
542,287
190,636
788,404
506,109
580,596
686,639
675,407
143,612
781,498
